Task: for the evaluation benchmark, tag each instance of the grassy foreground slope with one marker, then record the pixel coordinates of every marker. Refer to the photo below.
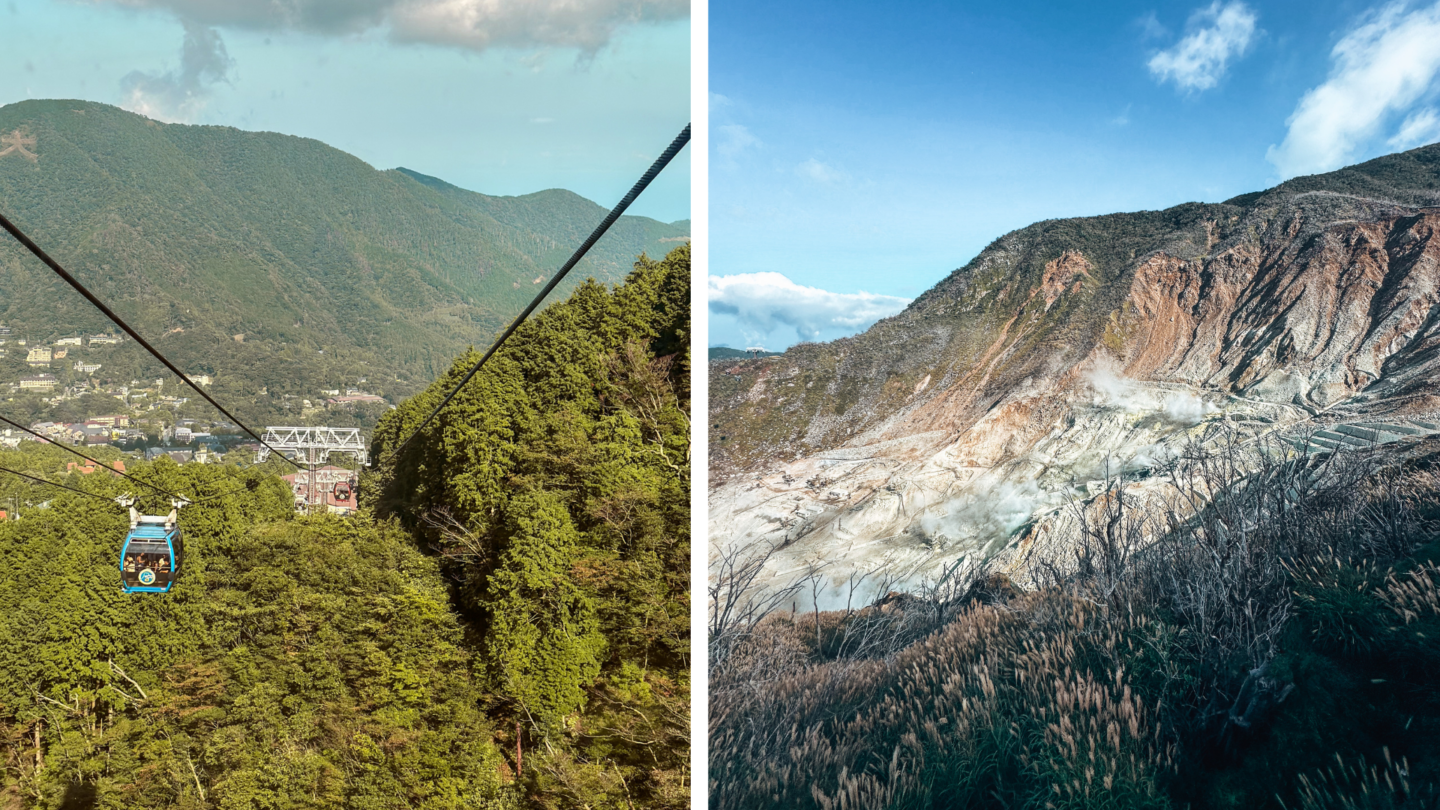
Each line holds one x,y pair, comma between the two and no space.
1276,648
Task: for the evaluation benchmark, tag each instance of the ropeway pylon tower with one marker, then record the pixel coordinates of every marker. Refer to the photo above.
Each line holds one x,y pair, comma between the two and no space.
309,443
312,446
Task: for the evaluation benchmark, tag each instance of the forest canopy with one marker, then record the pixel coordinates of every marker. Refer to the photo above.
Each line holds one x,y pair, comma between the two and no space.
504,624
555,487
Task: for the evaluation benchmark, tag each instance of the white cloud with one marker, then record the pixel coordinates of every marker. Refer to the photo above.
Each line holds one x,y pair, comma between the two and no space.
479,24
586,25
733,139
820,172
180,95
765,302
1379,70
1150,27
1213,37
1420,128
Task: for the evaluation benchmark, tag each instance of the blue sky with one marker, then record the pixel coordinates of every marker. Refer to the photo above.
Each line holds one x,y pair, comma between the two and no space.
873,148
505,97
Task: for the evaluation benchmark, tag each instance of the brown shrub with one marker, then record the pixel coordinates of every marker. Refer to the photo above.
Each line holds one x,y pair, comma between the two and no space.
1027,701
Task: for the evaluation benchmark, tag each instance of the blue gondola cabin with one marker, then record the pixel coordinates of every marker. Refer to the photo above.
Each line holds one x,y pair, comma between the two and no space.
150,560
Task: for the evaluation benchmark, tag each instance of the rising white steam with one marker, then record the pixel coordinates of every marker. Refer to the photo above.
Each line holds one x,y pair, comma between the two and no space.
1117,391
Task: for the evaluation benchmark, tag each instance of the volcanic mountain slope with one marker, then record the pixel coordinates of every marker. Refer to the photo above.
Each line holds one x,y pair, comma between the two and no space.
199,234
1073,347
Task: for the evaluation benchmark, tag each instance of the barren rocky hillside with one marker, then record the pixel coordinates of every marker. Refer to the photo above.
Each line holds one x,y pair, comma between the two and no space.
1075,346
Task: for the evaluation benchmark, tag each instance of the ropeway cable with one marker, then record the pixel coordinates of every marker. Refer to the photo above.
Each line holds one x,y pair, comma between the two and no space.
645,179
105,466
73,451
89,296
53,484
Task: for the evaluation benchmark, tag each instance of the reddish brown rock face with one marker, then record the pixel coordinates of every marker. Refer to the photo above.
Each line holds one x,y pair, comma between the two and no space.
1061,274
1320,324
1076,343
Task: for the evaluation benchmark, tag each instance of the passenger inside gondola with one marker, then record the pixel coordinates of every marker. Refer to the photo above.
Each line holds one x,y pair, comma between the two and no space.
152,561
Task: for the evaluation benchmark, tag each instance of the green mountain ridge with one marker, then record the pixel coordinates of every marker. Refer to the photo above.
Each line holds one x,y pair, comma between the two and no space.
727,353
327,268
557,195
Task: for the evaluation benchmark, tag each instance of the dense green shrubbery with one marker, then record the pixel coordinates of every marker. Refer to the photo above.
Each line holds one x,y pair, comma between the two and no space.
310,662
556,486
537,658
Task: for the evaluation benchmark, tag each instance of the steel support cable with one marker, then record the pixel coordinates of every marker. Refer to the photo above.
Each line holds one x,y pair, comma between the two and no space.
89,296
53,484
102,464
73,451
645,179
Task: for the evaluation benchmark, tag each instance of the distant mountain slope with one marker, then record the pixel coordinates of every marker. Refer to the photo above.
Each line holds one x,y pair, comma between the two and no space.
1072,346
727,353
202,233
1053,292
567,218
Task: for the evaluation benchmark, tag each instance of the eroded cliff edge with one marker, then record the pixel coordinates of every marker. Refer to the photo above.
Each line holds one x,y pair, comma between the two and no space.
1073,347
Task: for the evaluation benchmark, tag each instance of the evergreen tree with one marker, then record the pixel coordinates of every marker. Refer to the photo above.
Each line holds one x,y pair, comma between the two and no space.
544,642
